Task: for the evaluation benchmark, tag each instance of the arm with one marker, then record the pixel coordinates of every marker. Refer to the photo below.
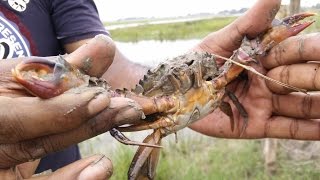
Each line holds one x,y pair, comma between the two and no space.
124,73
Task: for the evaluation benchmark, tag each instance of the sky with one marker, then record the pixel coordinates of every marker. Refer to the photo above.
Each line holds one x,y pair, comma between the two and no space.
111,10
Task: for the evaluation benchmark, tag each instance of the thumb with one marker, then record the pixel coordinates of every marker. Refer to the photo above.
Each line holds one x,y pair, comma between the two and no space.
92,168
256,20
49,116
94,57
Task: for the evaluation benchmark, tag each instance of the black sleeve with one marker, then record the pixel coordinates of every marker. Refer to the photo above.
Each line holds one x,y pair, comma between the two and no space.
76,20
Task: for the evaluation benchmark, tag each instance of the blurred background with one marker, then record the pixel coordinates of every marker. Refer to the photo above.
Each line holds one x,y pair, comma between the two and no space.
150,31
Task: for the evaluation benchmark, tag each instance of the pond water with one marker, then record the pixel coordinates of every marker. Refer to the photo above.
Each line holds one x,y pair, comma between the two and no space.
152,52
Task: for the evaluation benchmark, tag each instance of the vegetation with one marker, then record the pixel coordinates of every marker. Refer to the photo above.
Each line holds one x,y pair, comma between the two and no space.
182,30
316,26
170,31
207,158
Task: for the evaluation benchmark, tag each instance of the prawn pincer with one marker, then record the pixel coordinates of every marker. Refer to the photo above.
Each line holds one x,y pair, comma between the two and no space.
176,93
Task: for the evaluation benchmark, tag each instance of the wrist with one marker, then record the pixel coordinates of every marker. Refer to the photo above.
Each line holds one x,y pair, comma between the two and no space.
124,73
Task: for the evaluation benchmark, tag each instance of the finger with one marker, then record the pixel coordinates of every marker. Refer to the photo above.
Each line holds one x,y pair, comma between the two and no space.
256,20
291,128
297,105
119,113
275,127
99,169
29,117
91,168
306,76
218,124
10,173
95,57
8,85
296,49
8,64
26,170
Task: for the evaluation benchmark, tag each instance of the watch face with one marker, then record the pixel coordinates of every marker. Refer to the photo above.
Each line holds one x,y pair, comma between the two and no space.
18,5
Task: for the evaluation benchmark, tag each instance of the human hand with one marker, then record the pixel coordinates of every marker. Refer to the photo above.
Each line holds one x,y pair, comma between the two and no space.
270,114
93,167
33,127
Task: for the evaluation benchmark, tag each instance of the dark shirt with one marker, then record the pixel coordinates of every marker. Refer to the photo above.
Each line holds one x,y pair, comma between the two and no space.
42,28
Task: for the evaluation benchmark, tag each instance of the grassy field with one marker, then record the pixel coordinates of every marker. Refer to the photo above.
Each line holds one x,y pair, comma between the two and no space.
216,159
196,156
170,31
183,30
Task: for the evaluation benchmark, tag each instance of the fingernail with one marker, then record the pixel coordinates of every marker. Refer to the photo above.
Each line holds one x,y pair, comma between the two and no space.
105,163
98,103
101,168
97,160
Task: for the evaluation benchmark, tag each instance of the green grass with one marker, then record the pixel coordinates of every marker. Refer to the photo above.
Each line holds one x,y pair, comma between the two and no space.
124,22
182,30
121,162
170,31
222,160
316,26
209,159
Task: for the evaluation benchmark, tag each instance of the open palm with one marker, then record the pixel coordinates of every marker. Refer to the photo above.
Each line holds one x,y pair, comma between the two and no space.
271,114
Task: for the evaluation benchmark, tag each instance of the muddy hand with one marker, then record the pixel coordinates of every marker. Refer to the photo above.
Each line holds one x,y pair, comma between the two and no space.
69,118
48,78
295,62
266,119
283,29
93,167
252,50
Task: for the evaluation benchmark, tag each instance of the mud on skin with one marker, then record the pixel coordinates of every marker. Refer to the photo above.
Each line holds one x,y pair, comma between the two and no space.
173,95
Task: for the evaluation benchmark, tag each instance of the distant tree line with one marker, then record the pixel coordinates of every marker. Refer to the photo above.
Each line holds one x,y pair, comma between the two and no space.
233,11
